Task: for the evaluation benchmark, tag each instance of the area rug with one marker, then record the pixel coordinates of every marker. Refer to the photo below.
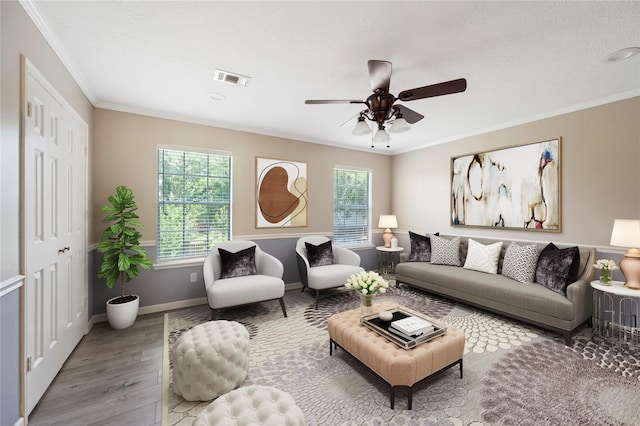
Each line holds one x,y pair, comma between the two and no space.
514,374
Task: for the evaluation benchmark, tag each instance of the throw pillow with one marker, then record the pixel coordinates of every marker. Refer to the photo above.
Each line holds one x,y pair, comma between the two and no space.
319,255
445,252
238,264
420,247
483,258
557,268
520,262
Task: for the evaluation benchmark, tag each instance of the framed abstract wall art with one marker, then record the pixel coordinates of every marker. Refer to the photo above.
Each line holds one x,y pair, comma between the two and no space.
281,193
516,187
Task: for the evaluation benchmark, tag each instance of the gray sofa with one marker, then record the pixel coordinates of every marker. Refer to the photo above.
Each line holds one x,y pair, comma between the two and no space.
531,303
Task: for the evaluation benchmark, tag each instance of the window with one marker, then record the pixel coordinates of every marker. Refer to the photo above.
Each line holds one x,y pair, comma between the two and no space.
194,209
351,206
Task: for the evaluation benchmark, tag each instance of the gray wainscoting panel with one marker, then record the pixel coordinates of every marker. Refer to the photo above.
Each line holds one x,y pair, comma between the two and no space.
10,357
157,287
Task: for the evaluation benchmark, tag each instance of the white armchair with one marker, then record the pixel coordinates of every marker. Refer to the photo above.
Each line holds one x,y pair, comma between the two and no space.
324,277
267,284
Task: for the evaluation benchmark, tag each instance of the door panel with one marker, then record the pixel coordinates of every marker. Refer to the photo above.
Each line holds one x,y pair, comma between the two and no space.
54,179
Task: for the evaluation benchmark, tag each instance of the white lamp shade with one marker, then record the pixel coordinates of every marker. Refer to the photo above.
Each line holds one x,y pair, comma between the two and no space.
399,125
625,233
388,221
381,136
361,129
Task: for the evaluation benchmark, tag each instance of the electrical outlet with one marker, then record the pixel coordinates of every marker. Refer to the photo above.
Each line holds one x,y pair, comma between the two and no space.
194,277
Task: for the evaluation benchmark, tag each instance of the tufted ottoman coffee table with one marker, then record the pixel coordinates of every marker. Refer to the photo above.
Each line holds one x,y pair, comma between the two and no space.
210,359
252,405
400,368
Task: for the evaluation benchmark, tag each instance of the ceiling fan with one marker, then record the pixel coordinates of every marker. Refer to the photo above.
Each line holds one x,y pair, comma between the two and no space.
381,107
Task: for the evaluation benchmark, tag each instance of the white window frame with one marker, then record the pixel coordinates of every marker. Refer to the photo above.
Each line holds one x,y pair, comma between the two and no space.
178,261
336,237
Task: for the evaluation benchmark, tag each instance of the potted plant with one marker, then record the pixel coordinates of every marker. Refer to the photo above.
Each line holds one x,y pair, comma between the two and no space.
122,255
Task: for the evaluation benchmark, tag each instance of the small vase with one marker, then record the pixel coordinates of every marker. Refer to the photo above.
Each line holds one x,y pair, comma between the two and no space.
604,276
366,303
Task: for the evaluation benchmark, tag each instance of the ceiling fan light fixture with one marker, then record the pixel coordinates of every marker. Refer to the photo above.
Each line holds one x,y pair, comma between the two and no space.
399,125
362,128
381,136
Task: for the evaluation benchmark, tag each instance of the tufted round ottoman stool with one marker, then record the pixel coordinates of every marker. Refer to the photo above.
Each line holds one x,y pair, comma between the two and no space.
210,359
252,405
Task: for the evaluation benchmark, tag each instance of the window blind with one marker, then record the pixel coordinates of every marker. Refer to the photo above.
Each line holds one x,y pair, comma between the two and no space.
351,218
194,209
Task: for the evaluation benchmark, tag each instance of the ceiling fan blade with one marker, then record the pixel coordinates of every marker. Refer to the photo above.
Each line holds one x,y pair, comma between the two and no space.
446,88
333,101
410,115
380,75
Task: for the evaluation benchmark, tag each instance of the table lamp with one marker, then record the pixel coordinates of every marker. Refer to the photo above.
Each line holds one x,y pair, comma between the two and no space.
626,233
387,221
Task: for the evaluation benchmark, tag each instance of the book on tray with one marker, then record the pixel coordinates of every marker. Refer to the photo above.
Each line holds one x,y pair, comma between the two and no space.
411,327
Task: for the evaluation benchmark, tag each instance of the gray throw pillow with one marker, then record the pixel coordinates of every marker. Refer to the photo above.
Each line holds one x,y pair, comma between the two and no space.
238,264
319,255
557,268
420,247
520,262
445,252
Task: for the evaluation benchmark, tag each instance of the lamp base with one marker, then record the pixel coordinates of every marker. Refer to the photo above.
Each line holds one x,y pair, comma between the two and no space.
386,237
630,267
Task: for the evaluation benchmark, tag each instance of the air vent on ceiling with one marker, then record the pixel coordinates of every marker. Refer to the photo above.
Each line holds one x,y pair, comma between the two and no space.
231,78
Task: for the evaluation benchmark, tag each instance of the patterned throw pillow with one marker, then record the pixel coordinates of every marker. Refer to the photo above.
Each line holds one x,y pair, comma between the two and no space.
239,264
420,247
557,268
319,255
520,262
483,258
445,252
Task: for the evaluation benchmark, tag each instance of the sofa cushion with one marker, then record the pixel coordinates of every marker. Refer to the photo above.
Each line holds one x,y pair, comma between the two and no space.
445,252
319,255
520,262
494,290
420,247
238,264
483,258
557,268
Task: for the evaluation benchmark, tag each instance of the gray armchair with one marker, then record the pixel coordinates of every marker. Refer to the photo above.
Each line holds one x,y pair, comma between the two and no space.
266,284
325,277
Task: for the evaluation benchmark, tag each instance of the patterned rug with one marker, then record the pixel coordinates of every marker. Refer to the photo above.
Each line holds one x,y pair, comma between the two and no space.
514,374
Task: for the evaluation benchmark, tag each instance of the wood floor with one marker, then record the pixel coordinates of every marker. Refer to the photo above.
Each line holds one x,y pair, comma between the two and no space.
111,378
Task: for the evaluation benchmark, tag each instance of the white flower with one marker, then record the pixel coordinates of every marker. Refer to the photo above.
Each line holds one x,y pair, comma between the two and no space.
367,283
605,264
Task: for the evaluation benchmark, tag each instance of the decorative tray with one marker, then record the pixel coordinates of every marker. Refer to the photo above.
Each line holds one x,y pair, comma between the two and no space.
374,323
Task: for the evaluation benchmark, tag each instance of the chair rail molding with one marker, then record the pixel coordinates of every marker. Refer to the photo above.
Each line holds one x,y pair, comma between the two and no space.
11,284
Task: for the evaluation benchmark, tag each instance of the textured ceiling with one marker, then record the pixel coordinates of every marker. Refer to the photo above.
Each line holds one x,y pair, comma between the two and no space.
522,61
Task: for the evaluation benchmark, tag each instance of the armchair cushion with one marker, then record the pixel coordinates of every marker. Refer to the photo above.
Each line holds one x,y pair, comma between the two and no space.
319,255
238,264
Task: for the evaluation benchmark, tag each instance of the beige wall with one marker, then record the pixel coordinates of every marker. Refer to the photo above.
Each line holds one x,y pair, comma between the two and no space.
599,166
21,37
125,154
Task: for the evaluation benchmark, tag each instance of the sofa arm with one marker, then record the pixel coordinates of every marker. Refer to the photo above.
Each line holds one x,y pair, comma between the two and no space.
580,294
404,256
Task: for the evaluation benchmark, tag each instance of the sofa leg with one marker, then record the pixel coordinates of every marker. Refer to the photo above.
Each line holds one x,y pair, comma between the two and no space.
567,338
214,314
284,310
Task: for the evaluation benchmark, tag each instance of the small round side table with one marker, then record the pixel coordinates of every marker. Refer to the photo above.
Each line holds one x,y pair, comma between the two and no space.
387,258
616,310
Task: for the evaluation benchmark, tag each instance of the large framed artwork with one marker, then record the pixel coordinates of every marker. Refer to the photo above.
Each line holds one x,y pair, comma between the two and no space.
281,193
516,187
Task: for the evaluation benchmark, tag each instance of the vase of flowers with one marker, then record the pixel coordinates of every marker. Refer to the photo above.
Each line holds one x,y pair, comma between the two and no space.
368,285
605,266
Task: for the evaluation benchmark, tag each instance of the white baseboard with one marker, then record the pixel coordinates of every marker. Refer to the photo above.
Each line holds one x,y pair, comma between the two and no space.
164,307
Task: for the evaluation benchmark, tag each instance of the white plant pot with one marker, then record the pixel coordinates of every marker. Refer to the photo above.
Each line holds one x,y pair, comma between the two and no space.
122,315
